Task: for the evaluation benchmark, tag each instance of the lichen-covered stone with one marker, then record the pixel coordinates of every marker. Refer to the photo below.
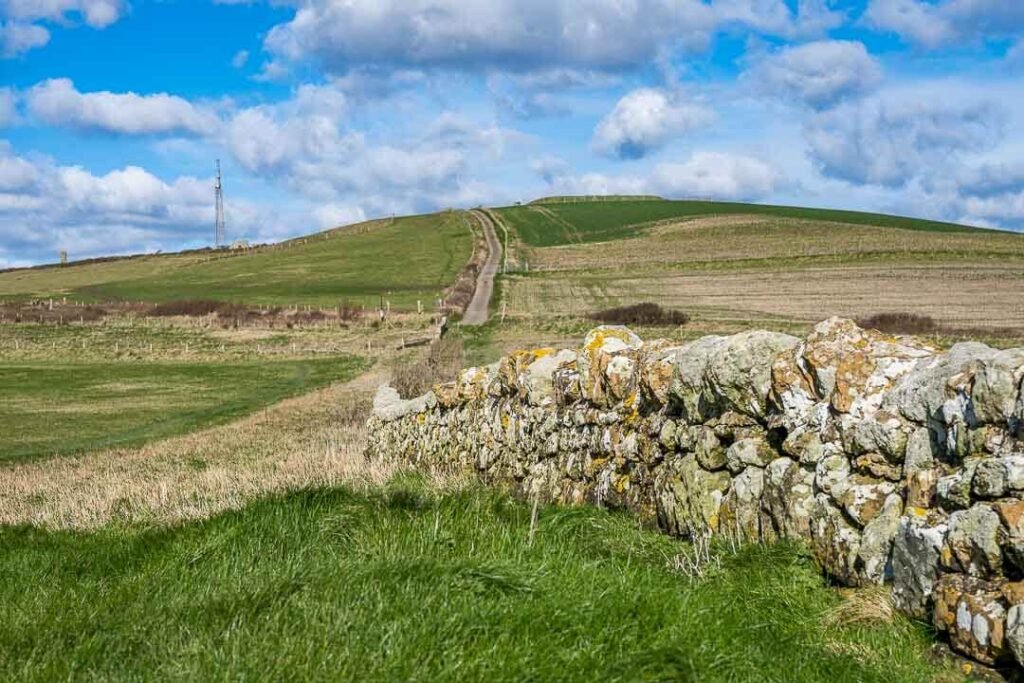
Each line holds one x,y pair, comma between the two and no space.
741,507
973,613
709,450
999,476
917,550
750,452
834,541
972,544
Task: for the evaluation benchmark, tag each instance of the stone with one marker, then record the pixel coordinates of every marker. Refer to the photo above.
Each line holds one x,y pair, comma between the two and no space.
998,476
832,475
787,500
741,507
916,554
388,405
835,542
972,544
1011,539
748,452
953,492
997,383
689,501
973,613
805,446
738,374
874,556
657,371
709,450
600,347
883,432
667,435
864,498
691,365
1015,632
876,465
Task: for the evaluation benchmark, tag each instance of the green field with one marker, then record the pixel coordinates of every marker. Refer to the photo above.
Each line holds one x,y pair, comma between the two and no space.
410,259
404,585
53,408
550,224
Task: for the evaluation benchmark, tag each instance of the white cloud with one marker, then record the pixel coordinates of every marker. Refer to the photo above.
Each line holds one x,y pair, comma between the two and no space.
645,120
17,38
818,74
934,24
895,137
8,107
57,102
775,17
705,175
95,13
240,59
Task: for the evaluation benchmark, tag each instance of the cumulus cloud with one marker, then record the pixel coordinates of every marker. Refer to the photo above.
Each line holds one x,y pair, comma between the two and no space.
8,107
705,175
645,120
776,17
819,74
17,38
240,59
933,24
57,102
21,32
891,139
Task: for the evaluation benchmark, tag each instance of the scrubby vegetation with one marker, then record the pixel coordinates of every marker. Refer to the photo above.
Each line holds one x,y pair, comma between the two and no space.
404,584
641,314
442,363
900,323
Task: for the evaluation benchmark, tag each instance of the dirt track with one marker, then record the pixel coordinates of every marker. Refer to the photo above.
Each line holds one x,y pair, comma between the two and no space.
478,310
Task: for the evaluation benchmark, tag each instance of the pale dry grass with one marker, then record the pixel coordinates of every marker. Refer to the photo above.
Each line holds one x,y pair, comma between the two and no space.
730,238
868,605
311,441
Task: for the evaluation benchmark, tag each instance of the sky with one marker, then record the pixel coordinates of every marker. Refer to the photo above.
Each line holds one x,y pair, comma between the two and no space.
327,112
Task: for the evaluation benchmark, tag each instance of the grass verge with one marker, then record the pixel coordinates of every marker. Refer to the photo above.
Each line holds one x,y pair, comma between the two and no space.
402,584
59,409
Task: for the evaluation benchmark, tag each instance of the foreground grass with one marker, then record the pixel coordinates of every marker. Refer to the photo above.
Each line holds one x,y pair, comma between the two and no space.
58,409
403,261
399,584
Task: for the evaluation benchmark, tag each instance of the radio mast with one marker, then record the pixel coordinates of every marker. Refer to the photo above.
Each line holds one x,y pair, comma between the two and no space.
218,190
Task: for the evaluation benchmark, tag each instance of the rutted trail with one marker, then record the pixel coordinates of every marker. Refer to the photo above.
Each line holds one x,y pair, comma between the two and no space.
477,311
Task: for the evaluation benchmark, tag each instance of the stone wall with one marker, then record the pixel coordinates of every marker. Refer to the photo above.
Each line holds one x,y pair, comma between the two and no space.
894,461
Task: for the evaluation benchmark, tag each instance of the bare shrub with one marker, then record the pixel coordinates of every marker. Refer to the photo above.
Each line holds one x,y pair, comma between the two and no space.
185,307
900,323
641,314
348,311
443,362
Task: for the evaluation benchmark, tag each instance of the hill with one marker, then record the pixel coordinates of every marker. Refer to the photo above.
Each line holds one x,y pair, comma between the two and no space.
405,260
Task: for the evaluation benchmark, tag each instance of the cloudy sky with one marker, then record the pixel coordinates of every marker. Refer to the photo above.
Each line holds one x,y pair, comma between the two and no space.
324,112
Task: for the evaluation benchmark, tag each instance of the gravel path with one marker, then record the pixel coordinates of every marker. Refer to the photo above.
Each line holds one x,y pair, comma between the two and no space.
477,312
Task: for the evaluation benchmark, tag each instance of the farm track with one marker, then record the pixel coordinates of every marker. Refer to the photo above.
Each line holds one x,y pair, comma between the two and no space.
479,307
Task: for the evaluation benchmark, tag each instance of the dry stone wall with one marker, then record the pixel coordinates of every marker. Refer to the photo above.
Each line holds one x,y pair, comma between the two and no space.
895,462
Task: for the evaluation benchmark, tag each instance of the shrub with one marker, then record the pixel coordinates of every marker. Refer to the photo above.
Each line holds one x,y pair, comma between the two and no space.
900,323
188,307
348,311
641,314
443,362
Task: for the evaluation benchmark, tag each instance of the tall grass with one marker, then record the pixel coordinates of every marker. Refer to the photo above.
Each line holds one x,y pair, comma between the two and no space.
400,584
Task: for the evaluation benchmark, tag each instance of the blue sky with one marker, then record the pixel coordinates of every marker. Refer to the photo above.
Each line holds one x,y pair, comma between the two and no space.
324,112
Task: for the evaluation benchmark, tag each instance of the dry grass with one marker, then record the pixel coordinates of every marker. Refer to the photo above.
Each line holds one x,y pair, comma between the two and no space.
313,440
869,605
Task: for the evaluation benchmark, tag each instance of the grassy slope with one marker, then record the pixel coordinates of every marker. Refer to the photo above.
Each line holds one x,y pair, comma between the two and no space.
413,258
603,220
54,409
400,585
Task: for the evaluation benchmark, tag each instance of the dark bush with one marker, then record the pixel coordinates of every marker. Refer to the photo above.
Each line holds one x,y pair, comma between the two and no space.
900,323
348,311
189,307
641,314
443,363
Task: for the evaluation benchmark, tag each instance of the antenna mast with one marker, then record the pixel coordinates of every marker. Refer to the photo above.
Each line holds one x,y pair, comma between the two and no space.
218,189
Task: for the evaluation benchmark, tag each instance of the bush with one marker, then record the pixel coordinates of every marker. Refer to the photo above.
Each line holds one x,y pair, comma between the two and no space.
187,307
348,311
641,314
900,323
443,363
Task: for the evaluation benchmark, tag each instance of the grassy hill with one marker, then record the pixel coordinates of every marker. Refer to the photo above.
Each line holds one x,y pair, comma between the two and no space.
558,221
406,260
405,585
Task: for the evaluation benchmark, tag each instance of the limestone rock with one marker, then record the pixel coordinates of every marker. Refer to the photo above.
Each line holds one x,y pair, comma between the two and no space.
972,544
749,452
601,346
1011,538
740,516
953,492
709,450
999,476
832,475
691,365
865,496
738,374
787,500
835,542
916,554
974,614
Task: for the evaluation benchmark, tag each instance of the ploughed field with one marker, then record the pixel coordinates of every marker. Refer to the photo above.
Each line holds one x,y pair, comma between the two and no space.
736,265
403,261
404,583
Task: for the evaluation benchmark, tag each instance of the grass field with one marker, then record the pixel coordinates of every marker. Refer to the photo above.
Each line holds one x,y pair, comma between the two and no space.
402,584
410,259
552,224
62,408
